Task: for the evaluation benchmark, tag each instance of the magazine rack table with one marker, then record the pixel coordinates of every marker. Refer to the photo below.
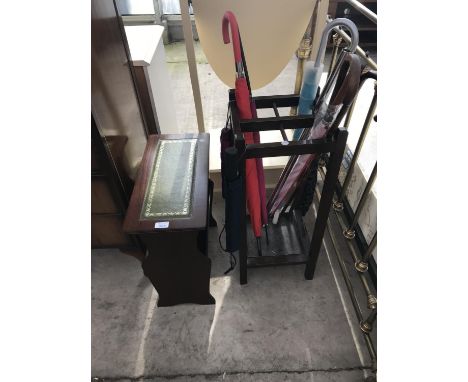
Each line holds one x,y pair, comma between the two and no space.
170,211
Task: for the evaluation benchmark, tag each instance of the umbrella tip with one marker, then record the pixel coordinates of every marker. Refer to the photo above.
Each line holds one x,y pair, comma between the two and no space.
276,217
259,246
266,234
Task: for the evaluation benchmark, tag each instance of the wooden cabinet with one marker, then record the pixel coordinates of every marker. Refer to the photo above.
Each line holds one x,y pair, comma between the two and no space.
106,232
153,81
102,201
118,129
109,187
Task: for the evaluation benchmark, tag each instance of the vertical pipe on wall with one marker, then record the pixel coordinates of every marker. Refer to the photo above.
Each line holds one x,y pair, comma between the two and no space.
303,53
310,43
336,44
320,22
192,63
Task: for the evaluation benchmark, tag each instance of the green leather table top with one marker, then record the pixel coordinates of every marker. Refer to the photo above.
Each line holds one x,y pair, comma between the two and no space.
169,190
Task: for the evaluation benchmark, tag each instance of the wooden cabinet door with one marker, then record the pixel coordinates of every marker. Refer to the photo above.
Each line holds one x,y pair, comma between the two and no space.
114,101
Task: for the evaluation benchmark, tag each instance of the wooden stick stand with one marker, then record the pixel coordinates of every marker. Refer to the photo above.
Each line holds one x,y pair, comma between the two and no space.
296,248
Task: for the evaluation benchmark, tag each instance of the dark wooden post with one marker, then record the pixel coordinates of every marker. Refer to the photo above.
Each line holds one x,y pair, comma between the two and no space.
333,168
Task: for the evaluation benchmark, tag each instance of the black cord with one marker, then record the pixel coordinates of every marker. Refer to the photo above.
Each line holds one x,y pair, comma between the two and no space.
232,258
219,239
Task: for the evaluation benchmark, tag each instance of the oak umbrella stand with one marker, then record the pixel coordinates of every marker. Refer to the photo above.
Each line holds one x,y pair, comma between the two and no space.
288,239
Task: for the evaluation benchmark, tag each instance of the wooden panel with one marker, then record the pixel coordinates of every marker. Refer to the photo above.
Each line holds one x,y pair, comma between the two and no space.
146,98
106,231
116,145
108,194
102,201
114,101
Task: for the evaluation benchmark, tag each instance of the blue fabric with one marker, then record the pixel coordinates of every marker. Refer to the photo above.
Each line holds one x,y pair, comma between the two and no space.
307,96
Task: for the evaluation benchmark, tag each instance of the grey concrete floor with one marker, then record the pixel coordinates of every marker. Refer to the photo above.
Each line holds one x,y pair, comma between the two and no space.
278,327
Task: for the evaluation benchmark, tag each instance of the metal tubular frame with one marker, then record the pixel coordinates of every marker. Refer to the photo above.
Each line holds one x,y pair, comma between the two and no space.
371,299
370,62
192,63
350,233
360,251
352,295
371,247
303,53
363,265
336,44
360,143
364,10
367,325
359,244
349,114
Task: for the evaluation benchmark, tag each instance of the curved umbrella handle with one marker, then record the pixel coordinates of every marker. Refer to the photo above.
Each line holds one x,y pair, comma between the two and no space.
341,22
348,80
370,74
230,20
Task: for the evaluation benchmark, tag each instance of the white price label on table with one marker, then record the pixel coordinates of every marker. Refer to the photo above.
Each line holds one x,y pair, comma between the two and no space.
161,225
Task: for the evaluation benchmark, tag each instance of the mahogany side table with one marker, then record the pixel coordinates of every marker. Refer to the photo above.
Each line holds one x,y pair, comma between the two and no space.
170,210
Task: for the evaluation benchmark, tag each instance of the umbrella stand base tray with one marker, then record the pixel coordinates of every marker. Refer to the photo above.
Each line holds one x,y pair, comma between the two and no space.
288,243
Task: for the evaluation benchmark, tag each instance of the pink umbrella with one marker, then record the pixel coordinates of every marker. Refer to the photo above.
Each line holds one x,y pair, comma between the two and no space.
327,116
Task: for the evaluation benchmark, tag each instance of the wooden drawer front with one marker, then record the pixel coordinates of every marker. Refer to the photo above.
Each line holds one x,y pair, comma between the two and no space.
102,201
106,231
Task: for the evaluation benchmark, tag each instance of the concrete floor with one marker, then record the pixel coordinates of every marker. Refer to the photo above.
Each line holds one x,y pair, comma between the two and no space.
278,327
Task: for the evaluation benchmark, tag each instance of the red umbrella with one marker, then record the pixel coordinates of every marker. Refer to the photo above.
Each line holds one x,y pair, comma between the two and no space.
243,104
259,161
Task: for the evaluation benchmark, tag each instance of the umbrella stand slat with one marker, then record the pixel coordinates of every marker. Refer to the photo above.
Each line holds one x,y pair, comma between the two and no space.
285,100
240,146
266,102
271,123
290,243
283,134
276,149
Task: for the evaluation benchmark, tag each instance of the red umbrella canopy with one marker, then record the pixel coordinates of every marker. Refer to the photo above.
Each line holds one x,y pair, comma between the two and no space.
251,176
243,104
